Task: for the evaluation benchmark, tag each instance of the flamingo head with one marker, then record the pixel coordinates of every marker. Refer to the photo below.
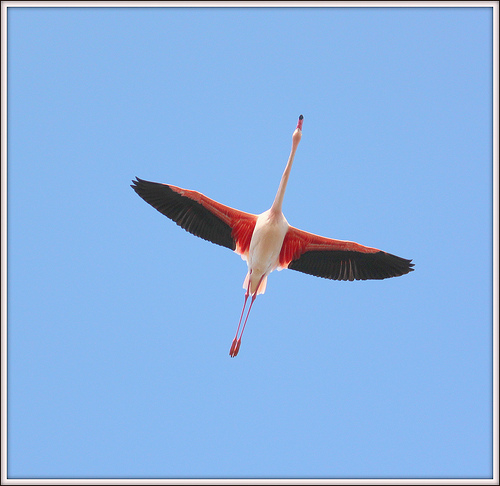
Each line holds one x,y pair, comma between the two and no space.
297,134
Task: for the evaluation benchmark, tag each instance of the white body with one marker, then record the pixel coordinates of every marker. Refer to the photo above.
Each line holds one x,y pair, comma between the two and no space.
265,246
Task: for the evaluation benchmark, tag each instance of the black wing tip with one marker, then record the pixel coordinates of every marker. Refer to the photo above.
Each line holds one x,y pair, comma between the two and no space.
336,265
139,184
136,184
137,181
409,264
400,266
301,117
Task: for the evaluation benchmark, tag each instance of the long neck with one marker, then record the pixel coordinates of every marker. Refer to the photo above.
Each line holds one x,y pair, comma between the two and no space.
278,200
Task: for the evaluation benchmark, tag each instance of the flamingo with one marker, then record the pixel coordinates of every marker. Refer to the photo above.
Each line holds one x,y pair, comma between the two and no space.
266,241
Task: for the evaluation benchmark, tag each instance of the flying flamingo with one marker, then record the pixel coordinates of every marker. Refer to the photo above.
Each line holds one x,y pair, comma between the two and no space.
266,241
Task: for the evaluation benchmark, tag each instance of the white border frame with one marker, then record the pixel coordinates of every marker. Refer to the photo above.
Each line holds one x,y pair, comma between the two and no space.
495,173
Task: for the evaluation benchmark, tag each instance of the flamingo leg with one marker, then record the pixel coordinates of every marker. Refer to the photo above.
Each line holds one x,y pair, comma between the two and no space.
235,346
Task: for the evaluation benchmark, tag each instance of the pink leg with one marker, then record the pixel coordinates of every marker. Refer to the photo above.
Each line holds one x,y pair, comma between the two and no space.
235,346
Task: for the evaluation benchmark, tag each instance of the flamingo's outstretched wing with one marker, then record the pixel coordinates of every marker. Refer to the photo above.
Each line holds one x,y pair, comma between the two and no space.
200,215
337,259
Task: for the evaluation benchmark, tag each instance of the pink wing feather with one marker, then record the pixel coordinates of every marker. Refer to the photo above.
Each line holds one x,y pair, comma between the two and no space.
200,215
338,259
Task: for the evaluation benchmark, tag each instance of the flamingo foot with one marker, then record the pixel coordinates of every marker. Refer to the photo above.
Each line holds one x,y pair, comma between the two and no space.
233,347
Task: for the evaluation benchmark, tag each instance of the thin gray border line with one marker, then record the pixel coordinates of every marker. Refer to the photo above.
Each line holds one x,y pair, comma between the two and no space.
3,252
495,197
309,4
254,3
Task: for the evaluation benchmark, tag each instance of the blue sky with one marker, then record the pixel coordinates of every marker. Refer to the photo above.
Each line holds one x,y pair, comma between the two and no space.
120,322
